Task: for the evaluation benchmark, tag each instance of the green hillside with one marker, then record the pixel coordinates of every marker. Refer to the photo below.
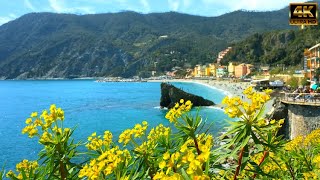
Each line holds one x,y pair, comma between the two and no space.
277,47
122,44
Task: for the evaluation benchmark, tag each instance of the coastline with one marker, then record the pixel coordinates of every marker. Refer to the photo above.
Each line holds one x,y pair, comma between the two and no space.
228,88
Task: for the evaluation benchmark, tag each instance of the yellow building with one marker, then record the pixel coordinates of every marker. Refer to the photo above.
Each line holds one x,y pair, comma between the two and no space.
312,61
231,68
207,71
213,69
197,71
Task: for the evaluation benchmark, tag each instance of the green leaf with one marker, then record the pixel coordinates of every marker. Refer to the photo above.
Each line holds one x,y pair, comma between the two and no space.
185,175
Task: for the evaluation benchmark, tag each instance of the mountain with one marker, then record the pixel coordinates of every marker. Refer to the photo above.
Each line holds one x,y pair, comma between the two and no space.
278,47
50,45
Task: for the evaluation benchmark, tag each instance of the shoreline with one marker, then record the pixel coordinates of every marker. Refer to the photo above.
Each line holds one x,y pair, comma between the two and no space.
227,88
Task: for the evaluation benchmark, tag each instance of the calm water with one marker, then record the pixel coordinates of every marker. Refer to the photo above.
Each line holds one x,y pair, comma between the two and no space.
88,105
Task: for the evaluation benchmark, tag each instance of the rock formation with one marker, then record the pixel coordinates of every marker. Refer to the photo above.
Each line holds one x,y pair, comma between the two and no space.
171,95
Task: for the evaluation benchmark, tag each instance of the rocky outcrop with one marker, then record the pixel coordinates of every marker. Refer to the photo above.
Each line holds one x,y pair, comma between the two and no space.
171,95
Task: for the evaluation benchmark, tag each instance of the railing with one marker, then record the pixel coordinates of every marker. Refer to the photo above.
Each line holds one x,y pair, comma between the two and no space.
301,98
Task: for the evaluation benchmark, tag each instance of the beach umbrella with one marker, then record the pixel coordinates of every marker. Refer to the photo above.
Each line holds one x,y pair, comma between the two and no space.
314,87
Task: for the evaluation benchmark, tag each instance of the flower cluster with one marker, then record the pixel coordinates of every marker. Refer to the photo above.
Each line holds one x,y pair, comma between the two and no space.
129,134
44,121
187,157
105,164
237,108
25,168
95,142
178,110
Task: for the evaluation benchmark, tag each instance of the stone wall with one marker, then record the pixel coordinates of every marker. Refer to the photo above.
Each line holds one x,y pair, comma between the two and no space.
302,119
299,119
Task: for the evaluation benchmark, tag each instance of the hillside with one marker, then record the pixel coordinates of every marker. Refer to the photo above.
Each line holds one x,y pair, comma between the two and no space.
121,44
278,47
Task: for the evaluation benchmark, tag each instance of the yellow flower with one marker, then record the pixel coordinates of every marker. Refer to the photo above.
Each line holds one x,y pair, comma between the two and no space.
125,136
166,156
107,137
28,121
181,101
162,164
34,114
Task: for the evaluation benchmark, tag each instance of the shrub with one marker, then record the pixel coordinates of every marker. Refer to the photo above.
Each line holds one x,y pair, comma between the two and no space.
249,149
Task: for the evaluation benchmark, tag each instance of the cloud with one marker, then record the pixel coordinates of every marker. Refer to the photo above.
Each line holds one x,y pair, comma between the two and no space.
56,6
28,4
173,5
232,5
186,3
145,4
5,19
59,7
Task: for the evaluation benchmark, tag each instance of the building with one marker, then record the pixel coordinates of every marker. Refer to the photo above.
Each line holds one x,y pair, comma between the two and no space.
222,71
265,69
213,69
240,70
231,69
250,68
197,71
311,61
207,71
221,54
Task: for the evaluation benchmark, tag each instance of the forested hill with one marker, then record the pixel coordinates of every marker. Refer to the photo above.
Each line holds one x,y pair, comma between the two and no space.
122,44
278,47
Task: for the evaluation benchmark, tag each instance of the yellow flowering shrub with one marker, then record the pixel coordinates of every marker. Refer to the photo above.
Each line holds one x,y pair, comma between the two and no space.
250,149
26,170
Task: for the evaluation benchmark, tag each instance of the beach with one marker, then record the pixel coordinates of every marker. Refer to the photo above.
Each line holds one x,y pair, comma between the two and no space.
229,88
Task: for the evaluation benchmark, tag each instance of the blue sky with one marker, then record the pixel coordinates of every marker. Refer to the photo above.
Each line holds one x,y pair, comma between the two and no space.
12,9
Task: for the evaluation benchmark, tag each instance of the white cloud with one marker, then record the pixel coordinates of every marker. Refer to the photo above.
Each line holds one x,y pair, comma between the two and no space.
28,4
11,15
5,19
173,5
56,6
259,5
145,4
186,3
59,6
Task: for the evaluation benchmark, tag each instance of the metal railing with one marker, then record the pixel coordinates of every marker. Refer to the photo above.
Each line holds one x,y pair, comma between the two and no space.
301,98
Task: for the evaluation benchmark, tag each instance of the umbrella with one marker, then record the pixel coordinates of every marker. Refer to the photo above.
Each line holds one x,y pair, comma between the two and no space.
314,86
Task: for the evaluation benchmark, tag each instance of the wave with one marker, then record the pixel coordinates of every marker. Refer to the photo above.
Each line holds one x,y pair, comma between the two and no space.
159,107
213,107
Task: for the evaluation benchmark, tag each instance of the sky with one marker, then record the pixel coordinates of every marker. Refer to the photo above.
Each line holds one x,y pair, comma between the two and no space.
12,9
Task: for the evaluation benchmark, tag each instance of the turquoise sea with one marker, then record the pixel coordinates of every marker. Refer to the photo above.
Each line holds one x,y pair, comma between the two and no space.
91,106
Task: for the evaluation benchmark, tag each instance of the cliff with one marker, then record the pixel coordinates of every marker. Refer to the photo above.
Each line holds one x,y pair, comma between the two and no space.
171,95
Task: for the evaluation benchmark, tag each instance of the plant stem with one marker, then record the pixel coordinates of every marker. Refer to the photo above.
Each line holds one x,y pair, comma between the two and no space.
196,145
265,154
62,171
239,164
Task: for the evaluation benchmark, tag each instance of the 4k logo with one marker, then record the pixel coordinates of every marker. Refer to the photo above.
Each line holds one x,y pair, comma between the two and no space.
303,14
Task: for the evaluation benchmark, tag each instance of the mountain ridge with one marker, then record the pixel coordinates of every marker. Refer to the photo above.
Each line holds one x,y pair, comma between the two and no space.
50,45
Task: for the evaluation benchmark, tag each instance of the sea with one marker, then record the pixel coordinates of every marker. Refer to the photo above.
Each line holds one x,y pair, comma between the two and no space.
90,107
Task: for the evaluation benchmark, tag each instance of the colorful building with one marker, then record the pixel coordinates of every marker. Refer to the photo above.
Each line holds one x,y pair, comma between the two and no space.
311,61
231,69
240,70
222,71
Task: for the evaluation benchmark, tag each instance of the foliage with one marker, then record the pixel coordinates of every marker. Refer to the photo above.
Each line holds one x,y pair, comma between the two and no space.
249,149
304,81
121,44
276,47
293,82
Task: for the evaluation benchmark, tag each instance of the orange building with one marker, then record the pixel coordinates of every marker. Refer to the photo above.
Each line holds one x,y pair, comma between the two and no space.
311,61
240,70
